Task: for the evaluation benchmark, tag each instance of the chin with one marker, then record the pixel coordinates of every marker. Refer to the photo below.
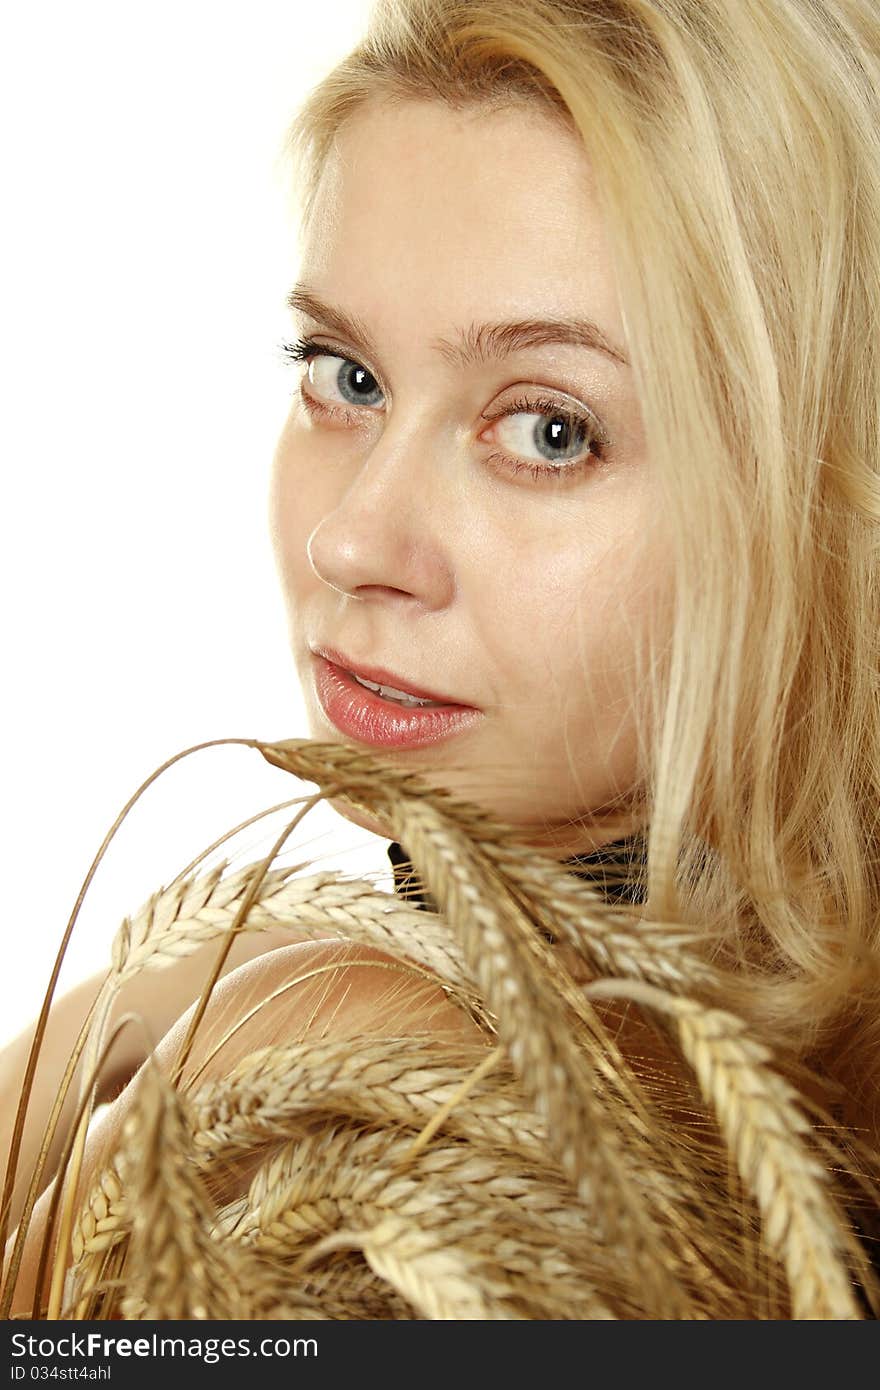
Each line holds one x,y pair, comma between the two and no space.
361,818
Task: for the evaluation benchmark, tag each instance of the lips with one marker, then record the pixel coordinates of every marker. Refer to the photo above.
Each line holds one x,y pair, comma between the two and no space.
367,717
381,676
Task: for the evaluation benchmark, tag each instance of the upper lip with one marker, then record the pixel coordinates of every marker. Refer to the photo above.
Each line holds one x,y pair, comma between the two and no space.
381,676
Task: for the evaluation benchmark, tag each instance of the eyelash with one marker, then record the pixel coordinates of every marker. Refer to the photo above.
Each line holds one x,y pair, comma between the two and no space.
303,349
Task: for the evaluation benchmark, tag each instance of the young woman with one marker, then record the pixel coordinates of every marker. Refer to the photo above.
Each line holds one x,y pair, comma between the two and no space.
576,508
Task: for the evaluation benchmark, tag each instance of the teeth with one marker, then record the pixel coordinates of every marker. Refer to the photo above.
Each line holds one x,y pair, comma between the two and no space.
389,693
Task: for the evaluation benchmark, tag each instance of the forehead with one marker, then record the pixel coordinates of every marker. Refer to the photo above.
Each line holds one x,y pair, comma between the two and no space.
454,215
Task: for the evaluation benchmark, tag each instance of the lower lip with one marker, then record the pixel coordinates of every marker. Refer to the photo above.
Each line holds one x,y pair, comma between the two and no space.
363,715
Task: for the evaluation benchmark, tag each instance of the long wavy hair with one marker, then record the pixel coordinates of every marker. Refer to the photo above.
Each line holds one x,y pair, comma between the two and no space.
736,150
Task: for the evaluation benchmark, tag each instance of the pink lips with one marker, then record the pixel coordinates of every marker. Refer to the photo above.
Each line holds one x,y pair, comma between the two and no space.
381,676
364,715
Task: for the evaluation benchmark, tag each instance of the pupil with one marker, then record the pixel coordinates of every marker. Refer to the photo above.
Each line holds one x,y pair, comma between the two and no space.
559,432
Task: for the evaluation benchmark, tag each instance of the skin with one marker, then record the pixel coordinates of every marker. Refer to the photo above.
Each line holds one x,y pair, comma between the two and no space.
401,539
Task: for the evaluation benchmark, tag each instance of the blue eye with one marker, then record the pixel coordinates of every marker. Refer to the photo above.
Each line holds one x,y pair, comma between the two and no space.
547,438
334,379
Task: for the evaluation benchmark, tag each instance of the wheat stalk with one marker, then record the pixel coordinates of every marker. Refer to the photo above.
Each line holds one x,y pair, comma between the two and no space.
512,967
761,1119
440,1282
175,922
176,1269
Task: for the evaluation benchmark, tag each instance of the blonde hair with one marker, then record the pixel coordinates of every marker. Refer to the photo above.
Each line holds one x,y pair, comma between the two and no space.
737,155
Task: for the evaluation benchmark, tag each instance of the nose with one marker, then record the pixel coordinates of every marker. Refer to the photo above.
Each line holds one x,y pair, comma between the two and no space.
388,537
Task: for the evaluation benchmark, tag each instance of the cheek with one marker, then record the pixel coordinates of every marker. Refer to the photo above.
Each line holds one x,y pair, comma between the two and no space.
545,586
622,616
570,620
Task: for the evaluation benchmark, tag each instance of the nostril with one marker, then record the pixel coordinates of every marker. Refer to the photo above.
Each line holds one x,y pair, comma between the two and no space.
380,590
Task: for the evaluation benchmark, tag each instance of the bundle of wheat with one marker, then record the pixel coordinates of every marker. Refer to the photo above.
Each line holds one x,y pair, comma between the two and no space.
610,1142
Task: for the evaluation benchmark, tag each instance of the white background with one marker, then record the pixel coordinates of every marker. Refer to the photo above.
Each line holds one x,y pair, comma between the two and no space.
145,260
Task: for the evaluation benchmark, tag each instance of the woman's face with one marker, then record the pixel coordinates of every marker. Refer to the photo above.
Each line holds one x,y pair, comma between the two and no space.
461,494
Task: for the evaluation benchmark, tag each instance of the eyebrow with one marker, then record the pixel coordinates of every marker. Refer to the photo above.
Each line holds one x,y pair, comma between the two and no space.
483,342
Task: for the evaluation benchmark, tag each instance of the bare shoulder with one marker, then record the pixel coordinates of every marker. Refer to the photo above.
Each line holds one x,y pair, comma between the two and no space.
317,988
